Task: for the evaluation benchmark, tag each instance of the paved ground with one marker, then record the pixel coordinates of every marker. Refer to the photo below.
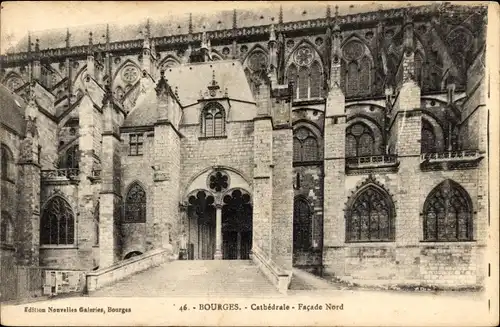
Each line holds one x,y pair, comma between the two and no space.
156,295
195,278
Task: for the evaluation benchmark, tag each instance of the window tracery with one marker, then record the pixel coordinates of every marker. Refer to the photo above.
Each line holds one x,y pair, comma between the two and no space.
70,158
218,181
305,145
357,69
302,223
57,225
359,141
130,74
307,74
213,120
370,217
135,204
448,214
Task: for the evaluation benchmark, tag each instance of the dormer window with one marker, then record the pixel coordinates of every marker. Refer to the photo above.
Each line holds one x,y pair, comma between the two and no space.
213,120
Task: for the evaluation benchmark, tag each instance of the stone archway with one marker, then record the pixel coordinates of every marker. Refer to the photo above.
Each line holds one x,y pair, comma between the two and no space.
201,226
236,225
218,213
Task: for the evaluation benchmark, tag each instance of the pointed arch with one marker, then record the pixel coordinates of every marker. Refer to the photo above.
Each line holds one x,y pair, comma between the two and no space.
255,48
370,214
128,62
169,61
304,42
135,204
448,213
305,69
363,138
305,145
302,224
57,224
213,120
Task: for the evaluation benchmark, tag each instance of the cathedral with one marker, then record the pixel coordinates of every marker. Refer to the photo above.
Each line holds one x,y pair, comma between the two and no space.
348,145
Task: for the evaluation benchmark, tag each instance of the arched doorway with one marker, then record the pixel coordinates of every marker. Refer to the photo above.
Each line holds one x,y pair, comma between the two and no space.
236,225
201,226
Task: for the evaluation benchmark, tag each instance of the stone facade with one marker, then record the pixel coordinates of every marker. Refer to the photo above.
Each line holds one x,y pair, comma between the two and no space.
315,131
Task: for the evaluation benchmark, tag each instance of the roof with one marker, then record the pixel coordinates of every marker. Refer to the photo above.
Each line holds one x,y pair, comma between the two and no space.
178,24
12,108
190,80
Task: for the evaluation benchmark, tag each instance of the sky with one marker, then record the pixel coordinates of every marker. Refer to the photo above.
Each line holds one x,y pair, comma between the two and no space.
19,17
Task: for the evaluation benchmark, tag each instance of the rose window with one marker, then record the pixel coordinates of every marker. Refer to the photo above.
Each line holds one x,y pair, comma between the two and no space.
218,181
130,74
304,56
353,50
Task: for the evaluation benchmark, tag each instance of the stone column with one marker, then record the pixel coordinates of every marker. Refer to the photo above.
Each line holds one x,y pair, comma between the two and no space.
27,237
218,232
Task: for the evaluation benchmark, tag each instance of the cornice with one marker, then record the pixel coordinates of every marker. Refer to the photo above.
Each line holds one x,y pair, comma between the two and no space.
346,22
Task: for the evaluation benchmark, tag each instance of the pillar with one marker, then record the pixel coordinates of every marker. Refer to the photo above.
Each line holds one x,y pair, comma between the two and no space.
27,237
218,232
334,165
86,200
166,169
110,197
404,137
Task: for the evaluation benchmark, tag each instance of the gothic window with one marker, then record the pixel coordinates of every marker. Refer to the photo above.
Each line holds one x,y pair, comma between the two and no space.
359,141
7,159
308,77
70,158
213,120
57,226
301,224
96,224
448,214
6,229
136,142
305,145
428,144
135,205
358,69
370,217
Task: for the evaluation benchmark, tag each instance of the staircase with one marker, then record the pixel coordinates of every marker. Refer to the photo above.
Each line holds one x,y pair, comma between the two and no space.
239,278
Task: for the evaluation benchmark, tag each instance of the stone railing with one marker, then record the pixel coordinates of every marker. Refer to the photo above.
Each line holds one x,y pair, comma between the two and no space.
58,174
109,275
463,155
371,161
280,278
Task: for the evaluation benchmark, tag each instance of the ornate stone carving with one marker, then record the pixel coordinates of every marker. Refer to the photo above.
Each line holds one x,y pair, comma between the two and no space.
304,56
218,181
130,74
